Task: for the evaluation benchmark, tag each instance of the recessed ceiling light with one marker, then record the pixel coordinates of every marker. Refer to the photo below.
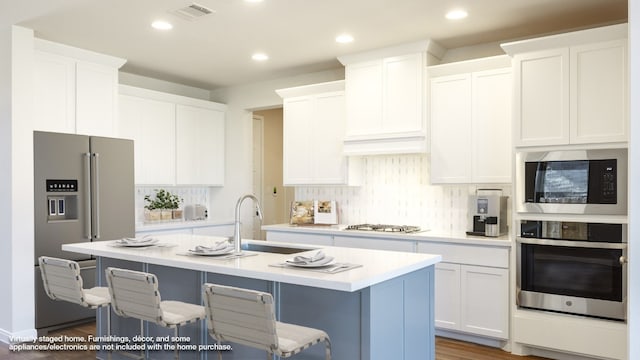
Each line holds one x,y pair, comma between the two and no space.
456,14
344,39
260,57
161,25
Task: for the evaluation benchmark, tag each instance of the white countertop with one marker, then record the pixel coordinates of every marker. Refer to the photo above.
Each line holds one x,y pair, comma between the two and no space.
339,230
377,265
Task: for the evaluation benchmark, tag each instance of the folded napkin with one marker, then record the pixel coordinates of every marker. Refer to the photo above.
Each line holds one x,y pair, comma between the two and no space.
309,259
141,240
220,245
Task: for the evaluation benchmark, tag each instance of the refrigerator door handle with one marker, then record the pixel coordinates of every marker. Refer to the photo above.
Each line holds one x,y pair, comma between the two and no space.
95,193
87,196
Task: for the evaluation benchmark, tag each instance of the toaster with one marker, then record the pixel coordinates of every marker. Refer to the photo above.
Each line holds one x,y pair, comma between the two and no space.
195,212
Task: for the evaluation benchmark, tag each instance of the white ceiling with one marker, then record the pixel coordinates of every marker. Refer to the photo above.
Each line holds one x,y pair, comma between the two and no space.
298,35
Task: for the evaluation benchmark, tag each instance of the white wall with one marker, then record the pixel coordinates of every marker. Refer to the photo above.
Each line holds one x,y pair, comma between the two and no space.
5,174
634,173
17,306
241,102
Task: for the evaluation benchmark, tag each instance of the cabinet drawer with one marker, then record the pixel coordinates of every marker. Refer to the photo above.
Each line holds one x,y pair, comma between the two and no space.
467,254
374,243
297,238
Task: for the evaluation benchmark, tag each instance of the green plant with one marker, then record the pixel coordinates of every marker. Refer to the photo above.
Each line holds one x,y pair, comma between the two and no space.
162,200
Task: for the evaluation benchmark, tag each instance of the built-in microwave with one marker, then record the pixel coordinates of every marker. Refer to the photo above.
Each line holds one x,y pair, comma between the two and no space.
573,182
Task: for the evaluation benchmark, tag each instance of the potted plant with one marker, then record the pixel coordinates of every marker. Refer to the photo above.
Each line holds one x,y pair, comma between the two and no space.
161,206
174,205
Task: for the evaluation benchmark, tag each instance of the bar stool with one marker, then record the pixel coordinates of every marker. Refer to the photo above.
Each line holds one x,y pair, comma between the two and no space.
135,294
62,281
247,317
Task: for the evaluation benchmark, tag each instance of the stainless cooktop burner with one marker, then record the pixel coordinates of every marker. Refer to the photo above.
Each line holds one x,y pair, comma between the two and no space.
384,228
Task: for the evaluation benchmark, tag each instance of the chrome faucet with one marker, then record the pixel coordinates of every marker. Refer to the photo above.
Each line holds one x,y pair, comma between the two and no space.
237,239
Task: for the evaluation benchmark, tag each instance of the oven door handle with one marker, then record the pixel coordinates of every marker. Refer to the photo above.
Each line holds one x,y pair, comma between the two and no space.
569,243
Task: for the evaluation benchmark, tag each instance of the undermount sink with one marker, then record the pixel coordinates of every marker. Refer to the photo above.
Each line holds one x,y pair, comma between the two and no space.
273,249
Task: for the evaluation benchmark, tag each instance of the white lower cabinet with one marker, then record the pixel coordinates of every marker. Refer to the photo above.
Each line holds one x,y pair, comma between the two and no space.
447,296
471,298
298,238
485,301
373,243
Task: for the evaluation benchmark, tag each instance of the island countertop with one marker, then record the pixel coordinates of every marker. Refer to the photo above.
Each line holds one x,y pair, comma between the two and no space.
172,250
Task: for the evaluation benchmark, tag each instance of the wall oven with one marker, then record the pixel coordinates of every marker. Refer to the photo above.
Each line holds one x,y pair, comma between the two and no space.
572,267
573,182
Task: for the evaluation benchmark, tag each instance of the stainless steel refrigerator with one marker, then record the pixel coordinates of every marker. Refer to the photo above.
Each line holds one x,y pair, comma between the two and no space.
83,191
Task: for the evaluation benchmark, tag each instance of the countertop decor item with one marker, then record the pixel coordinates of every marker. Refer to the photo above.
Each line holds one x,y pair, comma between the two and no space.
163,206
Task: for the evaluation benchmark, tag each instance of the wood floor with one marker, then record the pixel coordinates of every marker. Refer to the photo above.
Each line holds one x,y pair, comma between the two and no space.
446,349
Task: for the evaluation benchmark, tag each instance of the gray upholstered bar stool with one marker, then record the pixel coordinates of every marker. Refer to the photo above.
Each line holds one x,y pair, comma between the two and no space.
135,294
247,317
62,281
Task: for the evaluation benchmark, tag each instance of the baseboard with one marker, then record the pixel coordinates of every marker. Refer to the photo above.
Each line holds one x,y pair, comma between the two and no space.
27,335
481,340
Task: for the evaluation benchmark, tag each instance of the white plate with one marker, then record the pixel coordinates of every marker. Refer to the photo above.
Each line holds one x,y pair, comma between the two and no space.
137,244
328,260
224,251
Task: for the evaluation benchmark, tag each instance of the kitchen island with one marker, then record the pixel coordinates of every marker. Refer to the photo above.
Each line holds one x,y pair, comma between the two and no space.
382,309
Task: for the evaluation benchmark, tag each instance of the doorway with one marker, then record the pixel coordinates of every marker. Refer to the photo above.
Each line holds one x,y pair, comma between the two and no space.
267,169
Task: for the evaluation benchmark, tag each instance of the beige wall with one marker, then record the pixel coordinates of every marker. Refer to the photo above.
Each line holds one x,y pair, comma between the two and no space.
275,206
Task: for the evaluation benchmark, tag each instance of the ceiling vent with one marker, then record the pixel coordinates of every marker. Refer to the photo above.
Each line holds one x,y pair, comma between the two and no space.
193,12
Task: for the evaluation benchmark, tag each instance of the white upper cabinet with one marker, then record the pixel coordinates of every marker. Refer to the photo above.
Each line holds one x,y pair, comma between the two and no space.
313,133
571,88
151,125
199,146
471,121
96,99
76,91
451,129
386,99
177,140
599,106
54,93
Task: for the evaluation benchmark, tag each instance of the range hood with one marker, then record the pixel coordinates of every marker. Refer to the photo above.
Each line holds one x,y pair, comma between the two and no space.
386,99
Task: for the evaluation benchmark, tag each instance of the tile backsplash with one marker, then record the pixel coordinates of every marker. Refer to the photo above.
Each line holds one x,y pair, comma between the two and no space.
396,190
190,196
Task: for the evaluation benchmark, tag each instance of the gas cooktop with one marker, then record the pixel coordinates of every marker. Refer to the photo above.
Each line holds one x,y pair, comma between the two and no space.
384,228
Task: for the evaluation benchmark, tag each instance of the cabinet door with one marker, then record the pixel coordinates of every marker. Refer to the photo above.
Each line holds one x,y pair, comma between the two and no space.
485,301
329,165
491,127
96,99
541,98
599,92
402,94
447,296
151,124
364,98
298,140
451,129
199,146
54,93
